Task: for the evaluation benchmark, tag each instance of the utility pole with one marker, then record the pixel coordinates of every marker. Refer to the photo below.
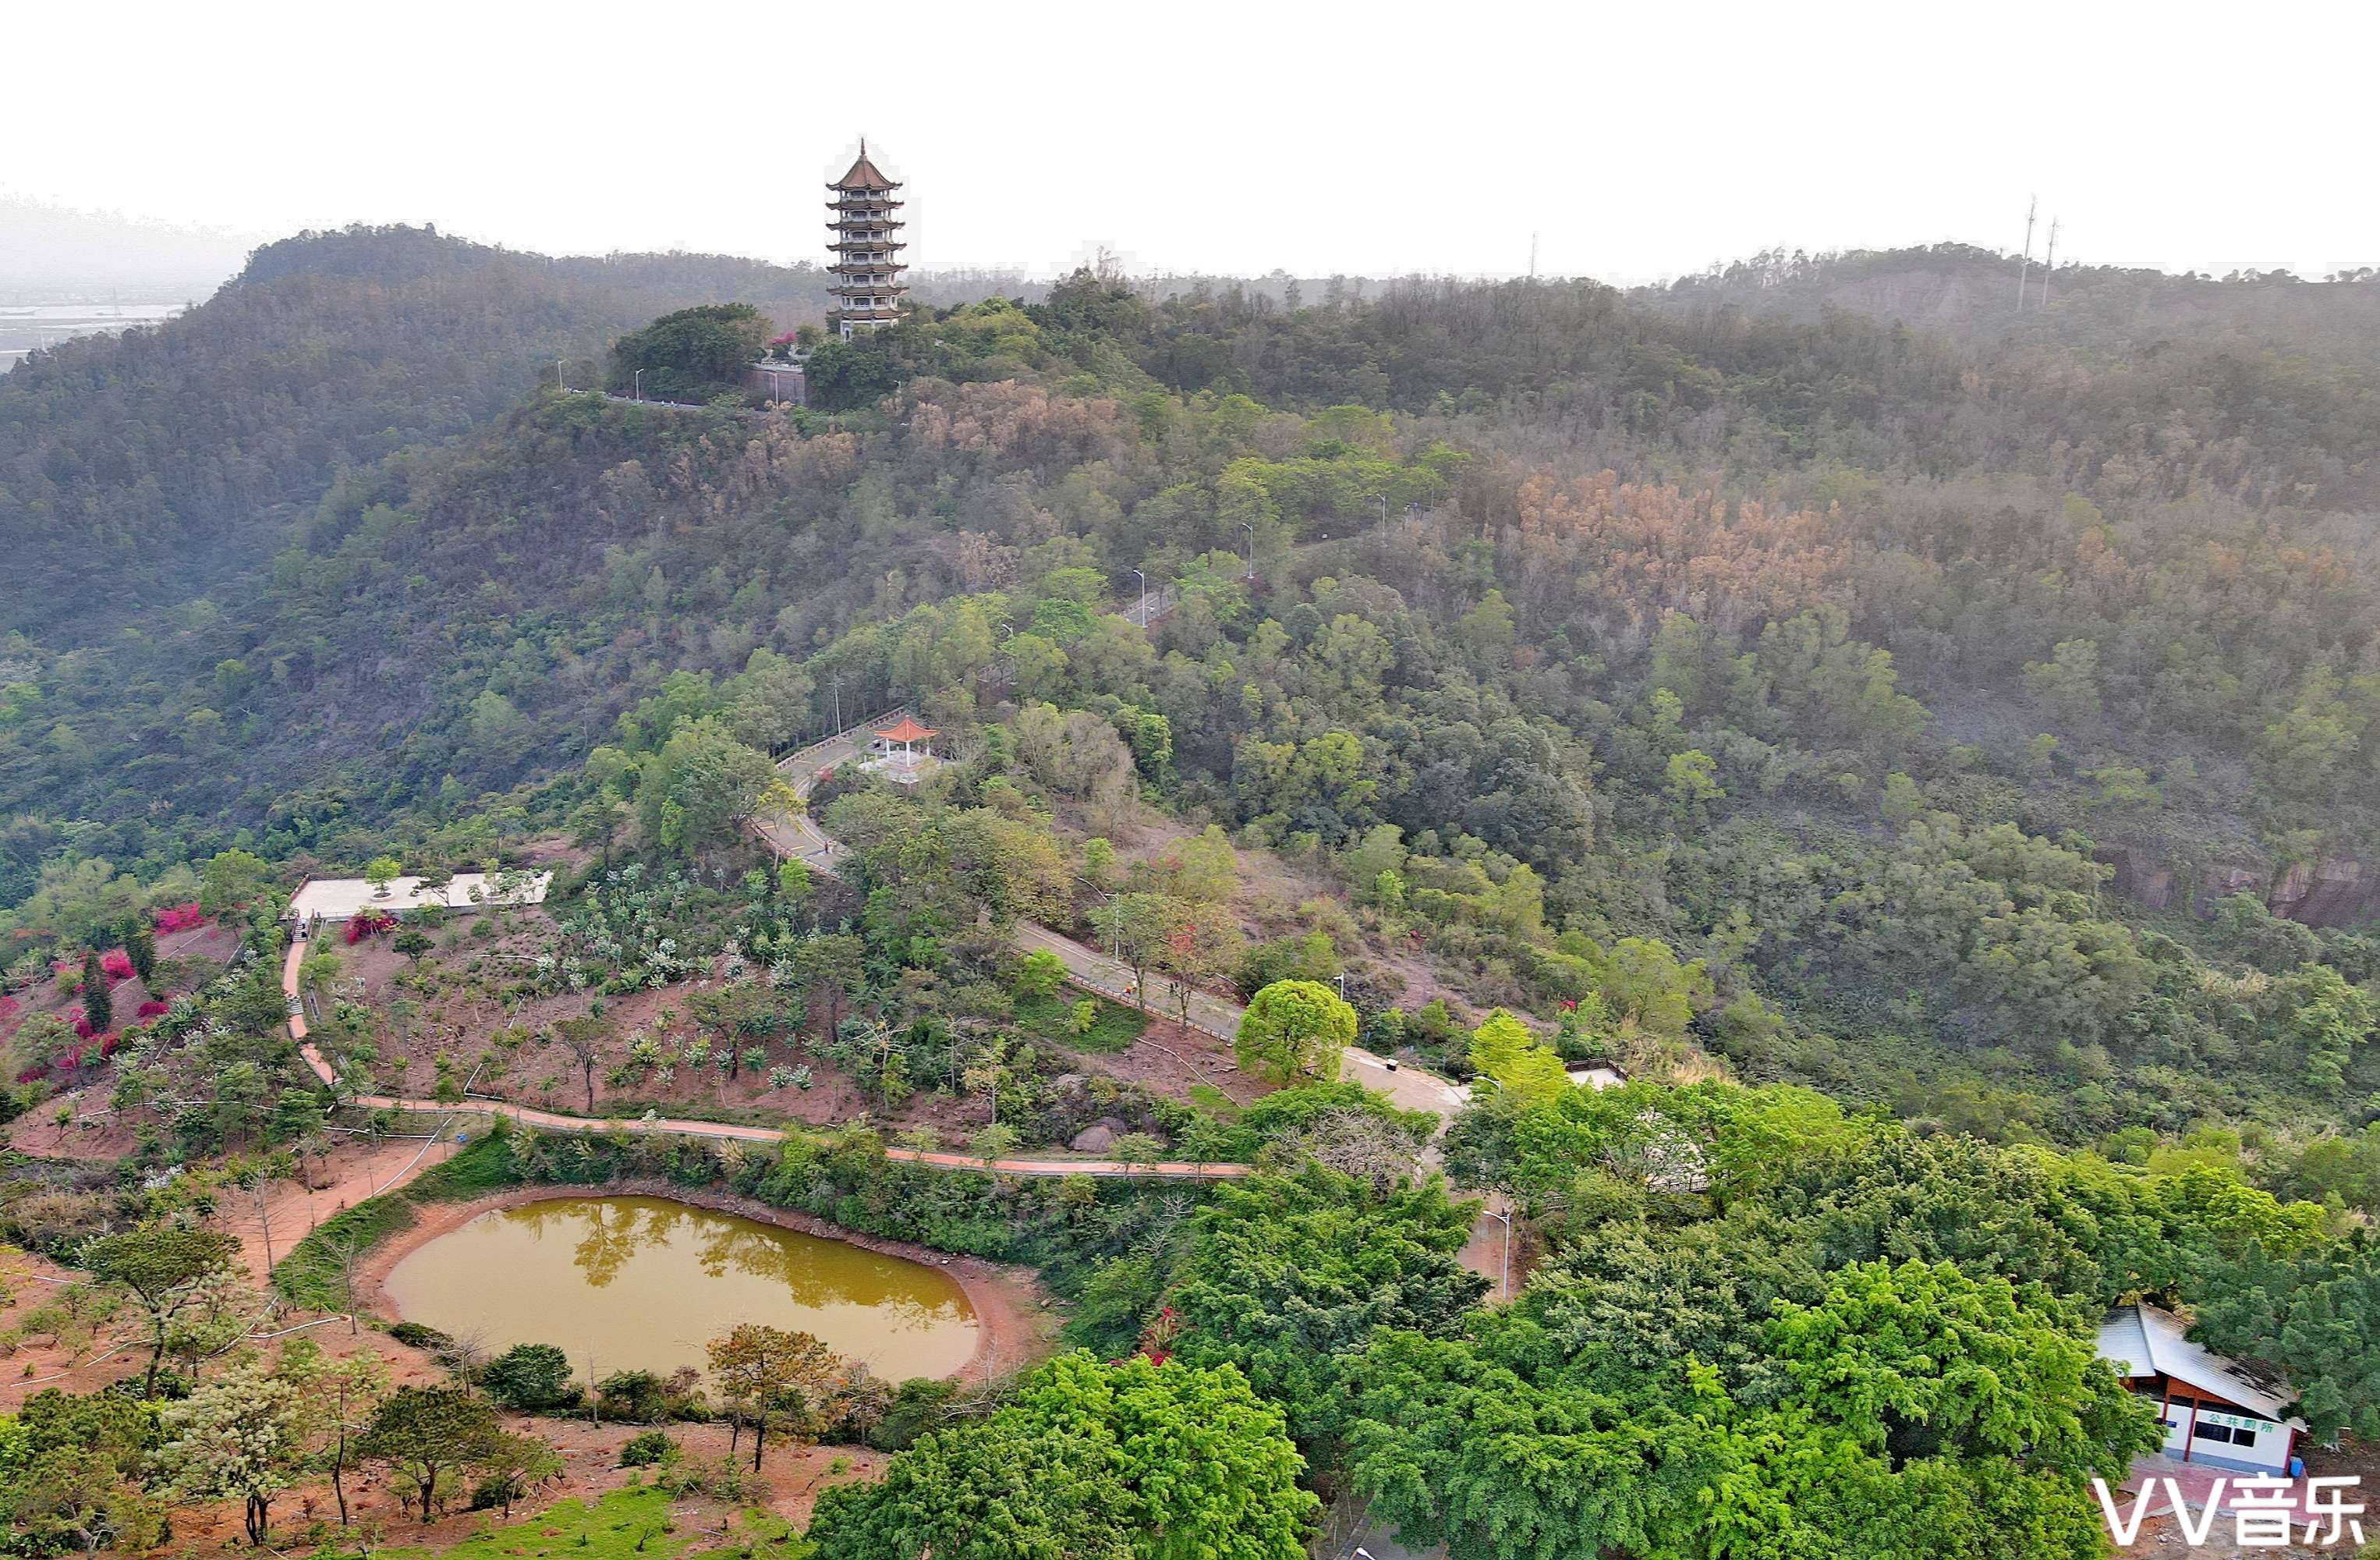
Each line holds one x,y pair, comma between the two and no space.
2049,263
1533,256
2024,271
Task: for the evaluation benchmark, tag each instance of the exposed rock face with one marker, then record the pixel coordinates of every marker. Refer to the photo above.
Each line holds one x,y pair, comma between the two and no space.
2331,892
1093,1139
2140,877
2335,891
2221,883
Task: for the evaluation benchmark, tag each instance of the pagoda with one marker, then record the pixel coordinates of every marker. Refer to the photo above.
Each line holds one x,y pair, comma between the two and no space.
867,263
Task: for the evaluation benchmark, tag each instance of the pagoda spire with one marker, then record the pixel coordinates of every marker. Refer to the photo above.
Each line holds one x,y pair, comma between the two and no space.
865,239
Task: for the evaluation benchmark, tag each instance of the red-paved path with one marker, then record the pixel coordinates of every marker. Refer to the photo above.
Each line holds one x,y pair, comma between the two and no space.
555,1121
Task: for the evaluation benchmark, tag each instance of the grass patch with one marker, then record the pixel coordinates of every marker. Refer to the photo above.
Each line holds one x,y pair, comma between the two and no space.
314,1273
628,1524
1113,1025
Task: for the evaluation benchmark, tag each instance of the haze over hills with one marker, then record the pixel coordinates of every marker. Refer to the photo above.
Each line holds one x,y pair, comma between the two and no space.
1928,747
57,254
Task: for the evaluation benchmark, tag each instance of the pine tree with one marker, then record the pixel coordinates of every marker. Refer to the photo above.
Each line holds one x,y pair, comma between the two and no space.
140,943
95,1004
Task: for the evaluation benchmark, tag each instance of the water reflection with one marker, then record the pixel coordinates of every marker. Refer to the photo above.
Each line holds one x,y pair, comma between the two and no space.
643,1281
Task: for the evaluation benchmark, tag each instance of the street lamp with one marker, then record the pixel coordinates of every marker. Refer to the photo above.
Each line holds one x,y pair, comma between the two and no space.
1144,598
1382,499
1504,1217
1252,548
636,386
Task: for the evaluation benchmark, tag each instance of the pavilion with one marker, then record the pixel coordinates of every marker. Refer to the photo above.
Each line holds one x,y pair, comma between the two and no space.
906,765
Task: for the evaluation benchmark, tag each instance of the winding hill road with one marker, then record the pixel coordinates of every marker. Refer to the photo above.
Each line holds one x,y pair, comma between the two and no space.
795,835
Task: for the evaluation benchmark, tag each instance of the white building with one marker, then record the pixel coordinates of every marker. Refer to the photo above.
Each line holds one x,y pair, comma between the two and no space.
2215,1410
320,900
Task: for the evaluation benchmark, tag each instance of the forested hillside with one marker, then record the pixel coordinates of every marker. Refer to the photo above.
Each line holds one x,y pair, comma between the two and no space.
1916,688
1922,762
140,472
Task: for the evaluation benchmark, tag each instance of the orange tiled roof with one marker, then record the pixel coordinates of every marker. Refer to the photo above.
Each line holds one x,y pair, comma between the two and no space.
907,730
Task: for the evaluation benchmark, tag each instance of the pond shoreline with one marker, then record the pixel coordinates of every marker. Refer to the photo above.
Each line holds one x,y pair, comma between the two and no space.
1012,1323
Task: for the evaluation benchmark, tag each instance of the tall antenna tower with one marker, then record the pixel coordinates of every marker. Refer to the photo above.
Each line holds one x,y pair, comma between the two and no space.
2024,272
2049,264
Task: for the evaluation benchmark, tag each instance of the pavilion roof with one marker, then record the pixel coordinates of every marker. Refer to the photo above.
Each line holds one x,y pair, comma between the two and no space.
905,731
863,174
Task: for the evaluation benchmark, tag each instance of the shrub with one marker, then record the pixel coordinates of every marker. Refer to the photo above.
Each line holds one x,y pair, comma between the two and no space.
645,1449
534,1377
179,917
632,1394
369,924
117,964
418,1334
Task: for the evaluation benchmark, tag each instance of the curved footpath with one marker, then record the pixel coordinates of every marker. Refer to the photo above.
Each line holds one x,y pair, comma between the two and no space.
556,1122
793,835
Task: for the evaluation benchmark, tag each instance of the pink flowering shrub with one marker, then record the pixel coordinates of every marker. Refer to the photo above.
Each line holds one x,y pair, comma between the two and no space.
368,924
117,964
151,1008
179,917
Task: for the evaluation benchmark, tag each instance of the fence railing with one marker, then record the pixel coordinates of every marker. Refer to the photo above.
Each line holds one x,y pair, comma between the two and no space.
792,756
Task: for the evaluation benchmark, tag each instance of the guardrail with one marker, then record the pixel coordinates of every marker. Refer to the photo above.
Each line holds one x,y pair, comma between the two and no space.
792,758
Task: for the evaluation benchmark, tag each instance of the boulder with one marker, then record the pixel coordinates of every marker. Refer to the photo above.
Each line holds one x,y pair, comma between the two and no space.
1095,1139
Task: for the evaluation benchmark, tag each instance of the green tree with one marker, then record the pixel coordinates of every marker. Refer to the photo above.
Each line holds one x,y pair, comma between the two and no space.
242,1436
1503,1050
692,354
1135,1460
534,1378
1293,1029
771,1376
98,1008
512,1463
427,1433
231,880
700,787
166,1269
1285,1278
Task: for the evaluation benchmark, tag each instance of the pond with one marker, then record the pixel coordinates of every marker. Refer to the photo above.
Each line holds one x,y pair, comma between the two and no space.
642,1282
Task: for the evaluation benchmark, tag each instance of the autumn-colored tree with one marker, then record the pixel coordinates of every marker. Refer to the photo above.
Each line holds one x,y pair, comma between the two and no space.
771,1376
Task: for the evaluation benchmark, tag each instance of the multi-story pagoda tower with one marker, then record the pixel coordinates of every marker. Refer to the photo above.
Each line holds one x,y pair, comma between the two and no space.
868,263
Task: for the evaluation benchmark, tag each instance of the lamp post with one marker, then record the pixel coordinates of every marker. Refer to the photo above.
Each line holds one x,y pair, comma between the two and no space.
1252,548
1504,1217
636,386
1144,598
1382,500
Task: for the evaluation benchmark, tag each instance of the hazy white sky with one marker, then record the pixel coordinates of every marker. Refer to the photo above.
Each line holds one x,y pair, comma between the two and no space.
1637,141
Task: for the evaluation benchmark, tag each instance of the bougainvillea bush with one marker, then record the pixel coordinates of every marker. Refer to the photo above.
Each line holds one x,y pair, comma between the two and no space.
369,924
117,964
178,918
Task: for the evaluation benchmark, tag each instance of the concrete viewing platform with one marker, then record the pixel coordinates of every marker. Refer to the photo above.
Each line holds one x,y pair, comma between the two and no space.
338,899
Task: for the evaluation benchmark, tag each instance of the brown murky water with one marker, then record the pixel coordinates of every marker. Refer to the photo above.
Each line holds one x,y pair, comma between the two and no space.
641,1283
